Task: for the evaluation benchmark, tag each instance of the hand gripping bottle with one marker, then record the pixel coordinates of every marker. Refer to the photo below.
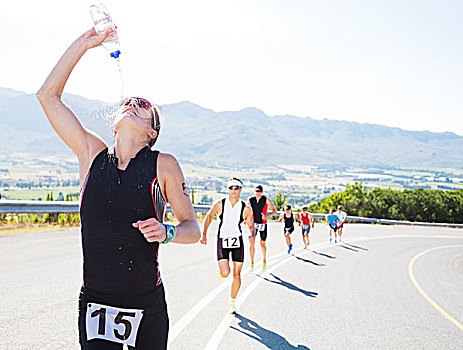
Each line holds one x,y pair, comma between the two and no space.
102,21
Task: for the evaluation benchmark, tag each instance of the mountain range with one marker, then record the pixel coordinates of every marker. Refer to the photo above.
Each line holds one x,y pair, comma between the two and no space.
245,138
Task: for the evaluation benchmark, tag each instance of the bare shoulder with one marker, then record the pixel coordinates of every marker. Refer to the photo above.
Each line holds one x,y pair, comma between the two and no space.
216,207
168,162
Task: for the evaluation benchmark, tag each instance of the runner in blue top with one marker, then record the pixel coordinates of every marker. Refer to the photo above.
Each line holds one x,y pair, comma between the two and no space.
332,221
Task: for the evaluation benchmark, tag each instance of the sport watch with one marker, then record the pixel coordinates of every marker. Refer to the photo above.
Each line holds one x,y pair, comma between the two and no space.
171,231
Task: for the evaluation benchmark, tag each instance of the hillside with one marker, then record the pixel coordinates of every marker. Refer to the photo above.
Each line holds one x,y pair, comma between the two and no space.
246,138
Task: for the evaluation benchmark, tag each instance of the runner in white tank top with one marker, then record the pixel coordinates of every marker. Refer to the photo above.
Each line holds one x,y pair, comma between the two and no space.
342,215
231,212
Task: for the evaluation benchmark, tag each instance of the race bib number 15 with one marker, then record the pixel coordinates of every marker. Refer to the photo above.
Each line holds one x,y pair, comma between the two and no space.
113,324
231,242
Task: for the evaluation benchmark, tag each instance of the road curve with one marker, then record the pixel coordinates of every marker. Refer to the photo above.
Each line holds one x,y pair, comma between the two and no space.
355,295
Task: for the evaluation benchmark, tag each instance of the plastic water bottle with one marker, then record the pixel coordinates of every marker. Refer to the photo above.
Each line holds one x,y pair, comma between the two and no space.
102,21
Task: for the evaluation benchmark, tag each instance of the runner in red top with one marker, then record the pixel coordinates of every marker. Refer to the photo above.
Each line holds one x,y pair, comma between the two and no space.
306,222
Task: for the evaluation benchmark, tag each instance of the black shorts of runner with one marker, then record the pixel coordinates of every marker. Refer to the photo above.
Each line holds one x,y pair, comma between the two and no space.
263,233
334,228
340,226
237,254
288,230
154,326
305,229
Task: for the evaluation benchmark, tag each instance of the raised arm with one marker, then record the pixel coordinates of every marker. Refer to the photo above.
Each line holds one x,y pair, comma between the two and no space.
216,209
82,142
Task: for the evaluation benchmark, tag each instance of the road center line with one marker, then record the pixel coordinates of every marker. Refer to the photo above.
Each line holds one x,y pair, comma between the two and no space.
216,338
423,293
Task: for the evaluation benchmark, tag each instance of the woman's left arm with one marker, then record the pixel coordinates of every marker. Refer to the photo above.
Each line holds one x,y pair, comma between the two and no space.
176,193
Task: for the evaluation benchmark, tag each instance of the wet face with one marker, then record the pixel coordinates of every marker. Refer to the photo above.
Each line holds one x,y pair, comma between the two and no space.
137,114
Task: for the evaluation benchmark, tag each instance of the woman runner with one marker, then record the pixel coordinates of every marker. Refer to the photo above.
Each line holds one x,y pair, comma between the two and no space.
124,191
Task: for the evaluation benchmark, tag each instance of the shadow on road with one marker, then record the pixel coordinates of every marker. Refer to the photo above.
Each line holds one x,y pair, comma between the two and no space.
291,286
323,254
355,246
308,261
268,338
349,248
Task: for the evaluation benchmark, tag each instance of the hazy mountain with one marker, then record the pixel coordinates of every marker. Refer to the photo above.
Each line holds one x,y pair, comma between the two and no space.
247,137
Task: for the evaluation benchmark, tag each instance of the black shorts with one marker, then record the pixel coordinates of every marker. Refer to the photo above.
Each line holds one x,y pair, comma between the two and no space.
236,253
263,233
154,326
334,228
288,230
305,229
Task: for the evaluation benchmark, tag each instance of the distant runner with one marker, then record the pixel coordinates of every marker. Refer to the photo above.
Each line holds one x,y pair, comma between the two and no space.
332,221
342,215
306,222
231,212
260,204
288,218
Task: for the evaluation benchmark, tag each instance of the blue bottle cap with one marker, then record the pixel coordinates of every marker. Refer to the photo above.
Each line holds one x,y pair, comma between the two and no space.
115,54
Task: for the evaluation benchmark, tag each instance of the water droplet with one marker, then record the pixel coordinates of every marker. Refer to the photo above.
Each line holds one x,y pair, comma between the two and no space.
130,269
120,248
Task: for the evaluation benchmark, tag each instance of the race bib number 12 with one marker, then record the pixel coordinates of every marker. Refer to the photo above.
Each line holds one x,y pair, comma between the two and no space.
231,242
113,324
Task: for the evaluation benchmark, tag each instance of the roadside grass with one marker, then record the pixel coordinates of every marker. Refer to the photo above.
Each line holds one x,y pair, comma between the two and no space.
34,228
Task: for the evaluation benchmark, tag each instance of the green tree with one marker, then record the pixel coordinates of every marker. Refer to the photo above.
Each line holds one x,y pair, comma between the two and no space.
280,201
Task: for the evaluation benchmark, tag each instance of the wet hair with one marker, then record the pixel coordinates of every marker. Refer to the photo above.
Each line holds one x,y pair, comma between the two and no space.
157,126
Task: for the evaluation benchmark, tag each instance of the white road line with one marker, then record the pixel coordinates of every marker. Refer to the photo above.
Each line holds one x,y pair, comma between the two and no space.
216,338
200,305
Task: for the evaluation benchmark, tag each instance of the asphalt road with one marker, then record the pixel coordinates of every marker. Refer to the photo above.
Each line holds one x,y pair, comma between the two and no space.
373,291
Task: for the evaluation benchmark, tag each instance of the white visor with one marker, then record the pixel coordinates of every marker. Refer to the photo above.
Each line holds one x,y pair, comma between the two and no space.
233,182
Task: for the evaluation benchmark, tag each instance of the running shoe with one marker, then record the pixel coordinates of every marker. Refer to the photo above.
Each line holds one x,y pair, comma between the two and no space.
232,307
289,248
219,275
264,266
335,241
252,267
331,239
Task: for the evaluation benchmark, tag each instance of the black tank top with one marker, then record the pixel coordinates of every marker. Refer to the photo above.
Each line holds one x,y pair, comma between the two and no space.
258,207
117,257
289,222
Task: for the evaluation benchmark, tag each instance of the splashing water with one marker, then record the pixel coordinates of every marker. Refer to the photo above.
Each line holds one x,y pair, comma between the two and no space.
121,78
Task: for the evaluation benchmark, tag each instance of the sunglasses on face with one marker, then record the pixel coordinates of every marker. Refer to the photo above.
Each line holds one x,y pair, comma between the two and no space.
234,188
141,102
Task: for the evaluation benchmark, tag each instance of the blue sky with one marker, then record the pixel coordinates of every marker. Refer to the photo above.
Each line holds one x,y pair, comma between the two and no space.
395,63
